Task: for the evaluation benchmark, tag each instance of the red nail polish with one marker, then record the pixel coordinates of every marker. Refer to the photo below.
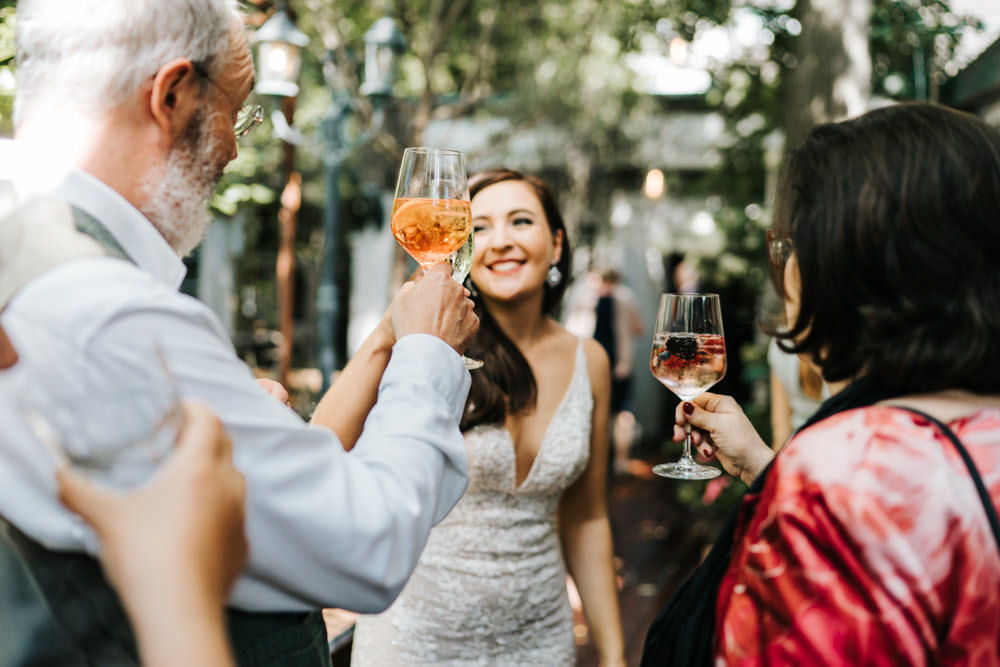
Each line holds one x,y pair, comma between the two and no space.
688,408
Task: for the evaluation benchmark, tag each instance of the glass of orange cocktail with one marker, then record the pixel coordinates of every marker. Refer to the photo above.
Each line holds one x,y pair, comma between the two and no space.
431,215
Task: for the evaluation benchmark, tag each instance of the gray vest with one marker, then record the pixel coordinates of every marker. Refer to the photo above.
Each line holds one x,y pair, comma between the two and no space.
59,609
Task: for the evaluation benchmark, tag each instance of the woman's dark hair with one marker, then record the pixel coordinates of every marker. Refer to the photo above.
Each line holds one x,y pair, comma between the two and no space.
894,218
505,384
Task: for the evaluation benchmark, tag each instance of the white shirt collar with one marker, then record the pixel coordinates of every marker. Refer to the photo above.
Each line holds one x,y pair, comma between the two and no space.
136,234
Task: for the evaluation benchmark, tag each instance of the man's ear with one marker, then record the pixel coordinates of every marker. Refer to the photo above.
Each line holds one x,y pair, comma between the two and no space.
174,96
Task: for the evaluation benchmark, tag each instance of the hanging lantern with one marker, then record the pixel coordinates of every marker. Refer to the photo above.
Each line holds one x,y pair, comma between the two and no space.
383,45
279,55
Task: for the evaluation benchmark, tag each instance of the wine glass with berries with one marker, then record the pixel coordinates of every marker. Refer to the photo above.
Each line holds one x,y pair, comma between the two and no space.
688,357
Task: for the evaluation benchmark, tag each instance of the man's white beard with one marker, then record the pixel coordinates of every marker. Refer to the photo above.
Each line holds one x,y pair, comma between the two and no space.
177,198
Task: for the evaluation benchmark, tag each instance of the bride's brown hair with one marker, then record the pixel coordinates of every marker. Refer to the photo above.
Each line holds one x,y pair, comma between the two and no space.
505,384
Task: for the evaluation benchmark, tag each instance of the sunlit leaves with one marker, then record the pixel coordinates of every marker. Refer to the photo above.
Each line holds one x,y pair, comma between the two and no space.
913,45
228,199
7,47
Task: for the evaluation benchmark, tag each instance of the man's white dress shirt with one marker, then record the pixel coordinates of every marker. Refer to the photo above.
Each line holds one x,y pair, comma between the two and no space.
327,528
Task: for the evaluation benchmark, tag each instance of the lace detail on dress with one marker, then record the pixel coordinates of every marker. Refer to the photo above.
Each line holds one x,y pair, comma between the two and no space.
490,588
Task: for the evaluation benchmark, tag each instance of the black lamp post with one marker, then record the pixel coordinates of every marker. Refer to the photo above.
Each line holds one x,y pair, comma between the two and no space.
279,44
383,45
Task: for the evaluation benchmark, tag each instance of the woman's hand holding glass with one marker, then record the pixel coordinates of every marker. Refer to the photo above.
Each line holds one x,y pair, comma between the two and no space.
188,516
174,546
720,428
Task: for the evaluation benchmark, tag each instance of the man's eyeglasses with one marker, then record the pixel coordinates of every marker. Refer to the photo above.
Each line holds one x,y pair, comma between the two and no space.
249,116
779,249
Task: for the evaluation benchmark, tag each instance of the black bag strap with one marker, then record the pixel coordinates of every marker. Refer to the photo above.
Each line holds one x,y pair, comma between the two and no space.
984,495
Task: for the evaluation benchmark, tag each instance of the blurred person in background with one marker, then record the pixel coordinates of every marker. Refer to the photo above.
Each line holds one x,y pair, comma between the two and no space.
797,389
580,304
617,323
491,585
872,537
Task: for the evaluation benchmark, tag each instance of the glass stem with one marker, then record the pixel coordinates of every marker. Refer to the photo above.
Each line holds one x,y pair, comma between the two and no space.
686,456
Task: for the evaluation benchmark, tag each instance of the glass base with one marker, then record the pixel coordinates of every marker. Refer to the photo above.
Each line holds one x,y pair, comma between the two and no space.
686,470
472,364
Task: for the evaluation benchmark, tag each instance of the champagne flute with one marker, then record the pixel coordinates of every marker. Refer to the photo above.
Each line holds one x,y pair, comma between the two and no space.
688,357
431,215
461,260
461,264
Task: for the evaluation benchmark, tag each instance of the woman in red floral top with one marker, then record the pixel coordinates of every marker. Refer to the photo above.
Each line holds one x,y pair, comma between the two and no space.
865,541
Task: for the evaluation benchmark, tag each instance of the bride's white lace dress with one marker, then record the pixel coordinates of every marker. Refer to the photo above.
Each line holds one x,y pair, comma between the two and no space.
490,588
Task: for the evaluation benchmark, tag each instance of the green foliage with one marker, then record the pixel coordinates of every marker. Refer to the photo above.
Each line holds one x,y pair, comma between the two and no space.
549,64
911,41
7,20
561,65
534,62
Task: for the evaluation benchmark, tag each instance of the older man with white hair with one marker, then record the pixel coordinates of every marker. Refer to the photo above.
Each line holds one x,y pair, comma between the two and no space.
172,548
126,112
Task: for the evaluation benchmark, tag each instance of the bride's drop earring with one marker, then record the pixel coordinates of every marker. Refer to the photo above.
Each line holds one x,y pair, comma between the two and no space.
554,275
